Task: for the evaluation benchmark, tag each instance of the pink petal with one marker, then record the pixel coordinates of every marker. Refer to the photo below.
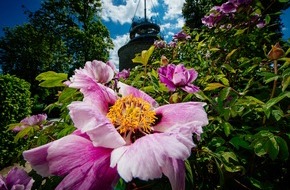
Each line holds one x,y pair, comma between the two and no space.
90,177
170,115
85,166
37,159
126,90
100,96
93,72
146,157
190,88
174,169
100,130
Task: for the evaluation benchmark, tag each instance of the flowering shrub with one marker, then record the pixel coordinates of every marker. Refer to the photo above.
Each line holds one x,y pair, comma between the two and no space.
210,111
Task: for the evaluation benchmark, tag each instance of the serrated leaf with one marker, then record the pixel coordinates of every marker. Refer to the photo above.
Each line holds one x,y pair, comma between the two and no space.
213,86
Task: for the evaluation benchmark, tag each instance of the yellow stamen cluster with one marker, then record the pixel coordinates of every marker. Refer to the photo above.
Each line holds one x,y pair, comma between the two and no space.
130,114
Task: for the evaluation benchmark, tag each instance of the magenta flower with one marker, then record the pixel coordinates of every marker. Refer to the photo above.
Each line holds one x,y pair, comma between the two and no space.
180,36
16,179
160,44
128,136
177,76
33,120
124,74
228,7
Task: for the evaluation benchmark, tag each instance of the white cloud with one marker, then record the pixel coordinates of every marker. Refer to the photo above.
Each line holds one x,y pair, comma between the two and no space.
124,13
174,9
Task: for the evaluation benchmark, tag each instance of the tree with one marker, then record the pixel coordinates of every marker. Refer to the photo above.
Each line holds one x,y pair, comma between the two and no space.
26,52
78,24
61,36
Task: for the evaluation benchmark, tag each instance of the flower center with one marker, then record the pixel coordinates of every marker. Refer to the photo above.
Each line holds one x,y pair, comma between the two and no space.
132,114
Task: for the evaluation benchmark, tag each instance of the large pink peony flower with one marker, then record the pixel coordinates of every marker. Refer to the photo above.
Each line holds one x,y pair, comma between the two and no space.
126,135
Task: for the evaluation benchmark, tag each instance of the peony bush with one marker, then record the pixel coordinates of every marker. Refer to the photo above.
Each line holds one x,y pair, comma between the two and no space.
208,110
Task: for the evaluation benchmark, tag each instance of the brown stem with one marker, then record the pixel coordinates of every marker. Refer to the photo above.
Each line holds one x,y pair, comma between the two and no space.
275,81
274,85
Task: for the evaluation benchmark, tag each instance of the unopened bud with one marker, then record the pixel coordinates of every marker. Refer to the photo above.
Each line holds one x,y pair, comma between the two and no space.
276,52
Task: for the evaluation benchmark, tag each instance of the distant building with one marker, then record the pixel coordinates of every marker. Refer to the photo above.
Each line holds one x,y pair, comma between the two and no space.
143,33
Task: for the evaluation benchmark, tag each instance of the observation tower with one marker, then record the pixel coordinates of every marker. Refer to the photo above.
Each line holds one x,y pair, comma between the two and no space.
143,33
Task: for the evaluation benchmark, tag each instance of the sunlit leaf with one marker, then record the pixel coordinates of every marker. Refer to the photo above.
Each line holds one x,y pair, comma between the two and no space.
213,86
144,56
51,79
275,100
240,31
231,53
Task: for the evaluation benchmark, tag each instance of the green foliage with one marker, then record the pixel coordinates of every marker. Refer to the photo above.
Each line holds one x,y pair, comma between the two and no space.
247,94
246,143
78,25
15,105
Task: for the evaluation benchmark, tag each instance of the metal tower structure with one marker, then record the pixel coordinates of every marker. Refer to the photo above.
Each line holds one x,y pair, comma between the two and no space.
143,33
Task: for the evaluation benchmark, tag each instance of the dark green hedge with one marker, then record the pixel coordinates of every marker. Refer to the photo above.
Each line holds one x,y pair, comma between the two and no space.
15,105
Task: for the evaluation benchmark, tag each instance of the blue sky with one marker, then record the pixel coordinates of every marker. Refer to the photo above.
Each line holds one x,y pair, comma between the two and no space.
117,16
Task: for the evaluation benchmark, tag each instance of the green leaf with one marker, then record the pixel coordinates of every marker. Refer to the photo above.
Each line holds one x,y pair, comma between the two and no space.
272,148
285,83
224,93
213,86
229,68
283,148
67,94
283,1
225,81
227,128
189,175
274,101
267,19
278,114
231,53
51,79
240,31
24,132
144,56
121,185
239,142
214,49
